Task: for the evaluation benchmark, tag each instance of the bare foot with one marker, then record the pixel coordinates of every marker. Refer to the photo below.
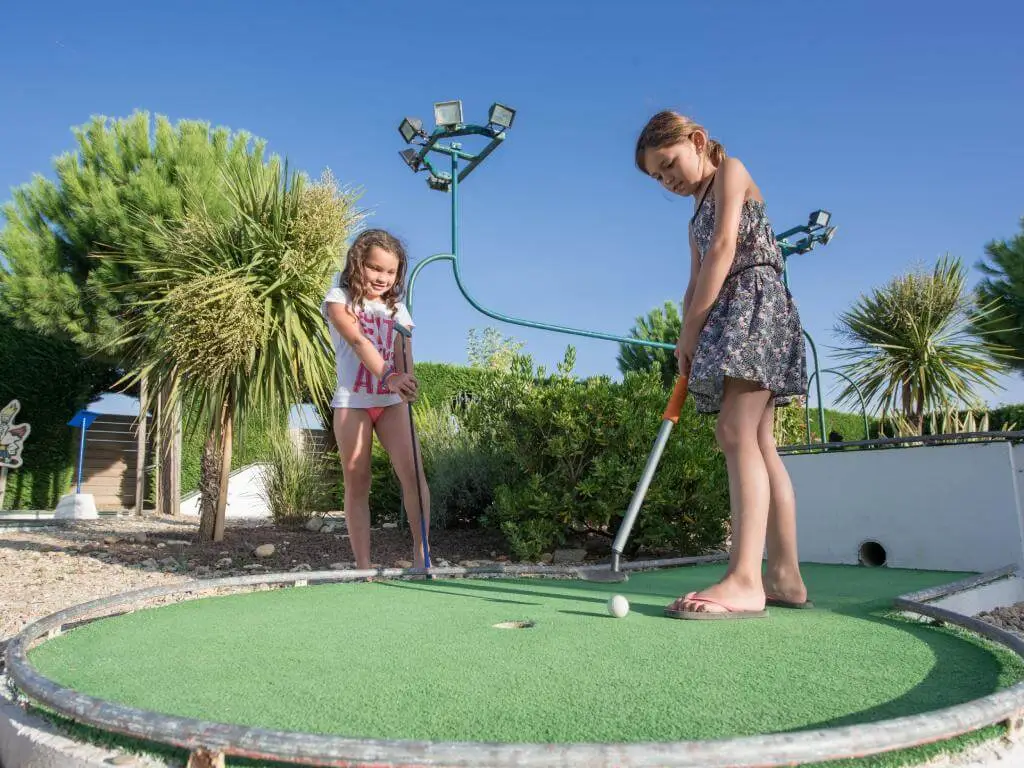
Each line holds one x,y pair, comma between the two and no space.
785,585
737,594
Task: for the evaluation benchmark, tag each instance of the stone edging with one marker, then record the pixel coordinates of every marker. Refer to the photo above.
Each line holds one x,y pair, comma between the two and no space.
760,751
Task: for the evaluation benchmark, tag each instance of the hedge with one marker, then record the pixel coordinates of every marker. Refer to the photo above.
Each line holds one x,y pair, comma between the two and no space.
51,381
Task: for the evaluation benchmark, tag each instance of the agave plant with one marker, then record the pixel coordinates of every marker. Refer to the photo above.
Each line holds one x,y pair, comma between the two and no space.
915,347
231,320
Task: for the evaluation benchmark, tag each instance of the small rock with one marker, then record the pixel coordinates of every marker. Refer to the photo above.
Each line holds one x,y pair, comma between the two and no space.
314,523
569,556
501,558
327,527
389,525
224,562
339,566
285,543
223,554
169,562
546,558
139,538
403,564
202,570
494,553
160,545
178,542
443,564
253,566
264,550
301,567
150,563
110,539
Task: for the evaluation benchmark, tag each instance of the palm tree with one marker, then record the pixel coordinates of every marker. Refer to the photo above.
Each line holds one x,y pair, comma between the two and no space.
914,345
1004,283
232,316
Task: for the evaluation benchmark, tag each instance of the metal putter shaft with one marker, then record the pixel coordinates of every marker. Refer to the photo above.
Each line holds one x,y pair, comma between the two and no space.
669,419
406,334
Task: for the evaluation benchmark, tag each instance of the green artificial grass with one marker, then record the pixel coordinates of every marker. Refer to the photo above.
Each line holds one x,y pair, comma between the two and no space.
421,660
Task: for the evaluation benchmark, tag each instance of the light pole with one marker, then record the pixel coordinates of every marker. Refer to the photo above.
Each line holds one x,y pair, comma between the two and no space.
448,119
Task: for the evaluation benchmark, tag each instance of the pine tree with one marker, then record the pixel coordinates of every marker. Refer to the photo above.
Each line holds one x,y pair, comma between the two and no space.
661,324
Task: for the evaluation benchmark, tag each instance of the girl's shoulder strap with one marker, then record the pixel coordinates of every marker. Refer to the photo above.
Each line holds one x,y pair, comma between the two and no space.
700,205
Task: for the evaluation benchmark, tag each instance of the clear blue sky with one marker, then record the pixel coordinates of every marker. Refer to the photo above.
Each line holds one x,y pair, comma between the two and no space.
903,119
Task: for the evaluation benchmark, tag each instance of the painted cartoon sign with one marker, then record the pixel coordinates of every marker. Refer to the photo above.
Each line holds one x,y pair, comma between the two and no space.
12,436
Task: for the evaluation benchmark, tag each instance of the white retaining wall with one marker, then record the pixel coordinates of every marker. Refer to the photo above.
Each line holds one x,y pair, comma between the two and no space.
953,507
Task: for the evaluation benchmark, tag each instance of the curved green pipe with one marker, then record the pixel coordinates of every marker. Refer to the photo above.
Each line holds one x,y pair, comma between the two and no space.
860,394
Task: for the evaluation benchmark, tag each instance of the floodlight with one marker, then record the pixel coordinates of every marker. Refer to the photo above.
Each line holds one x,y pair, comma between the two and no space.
829,234
438,184
819,219
411,158
410,128
501,115
448,114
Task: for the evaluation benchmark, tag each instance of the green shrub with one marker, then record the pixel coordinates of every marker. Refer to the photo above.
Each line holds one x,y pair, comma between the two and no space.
461,469
576,451
51,380
445,385
297,482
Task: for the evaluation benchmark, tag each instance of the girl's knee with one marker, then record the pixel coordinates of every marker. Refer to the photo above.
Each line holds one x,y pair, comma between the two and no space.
357,480
732,434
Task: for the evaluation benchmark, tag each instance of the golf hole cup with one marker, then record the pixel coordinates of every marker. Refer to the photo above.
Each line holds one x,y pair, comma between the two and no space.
618,606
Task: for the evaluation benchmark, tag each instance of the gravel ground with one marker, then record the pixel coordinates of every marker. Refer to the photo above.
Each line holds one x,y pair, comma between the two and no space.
46,570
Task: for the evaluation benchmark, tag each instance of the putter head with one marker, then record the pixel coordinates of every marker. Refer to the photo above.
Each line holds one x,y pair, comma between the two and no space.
611,576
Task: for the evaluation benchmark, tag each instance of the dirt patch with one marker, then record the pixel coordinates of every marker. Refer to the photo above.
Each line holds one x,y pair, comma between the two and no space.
1010,618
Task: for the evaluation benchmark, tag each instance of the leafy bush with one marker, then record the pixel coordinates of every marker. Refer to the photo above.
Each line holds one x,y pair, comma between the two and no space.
296,481
51,380
576,451
444,385
462,472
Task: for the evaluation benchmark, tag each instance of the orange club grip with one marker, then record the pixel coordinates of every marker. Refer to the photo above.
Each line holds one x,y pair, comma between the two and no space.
675,403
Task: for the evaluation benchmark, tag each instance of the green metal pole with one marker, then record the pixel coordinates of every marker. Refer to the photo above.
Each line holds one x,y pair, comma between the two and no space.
821,401
416,271
860,394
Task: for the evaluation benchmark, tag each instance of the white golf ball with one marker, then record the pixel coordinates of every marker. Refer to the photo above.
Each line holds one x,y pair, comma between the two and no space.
618,606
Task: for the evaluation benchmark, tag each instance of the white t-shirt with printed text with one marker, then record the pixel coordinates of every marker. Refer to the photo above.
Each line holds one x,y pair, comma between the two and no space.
357,387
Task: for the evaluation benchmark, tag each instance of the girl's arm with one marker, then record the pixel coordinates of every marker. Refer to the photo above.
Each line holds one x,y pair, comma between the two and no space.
348,326
730,191
691,286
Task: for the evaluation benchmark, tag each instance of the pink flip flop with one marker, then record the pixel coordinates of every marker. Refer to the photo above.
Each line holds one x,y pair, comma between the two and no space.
778,602
728,613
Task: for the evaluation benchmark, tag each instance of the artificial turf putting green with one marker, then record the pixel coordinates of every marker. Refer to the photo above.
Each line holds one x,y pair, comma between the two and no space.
421,660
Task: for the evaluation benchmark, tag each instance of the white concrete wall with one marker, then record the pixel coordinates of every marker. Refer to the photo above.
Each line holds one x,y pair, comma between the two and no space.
951,507
245,495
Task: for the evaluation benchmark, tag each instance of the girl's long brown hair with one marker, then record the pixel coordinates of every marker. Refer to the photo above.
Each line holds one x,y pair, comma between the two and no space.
667,128
352,275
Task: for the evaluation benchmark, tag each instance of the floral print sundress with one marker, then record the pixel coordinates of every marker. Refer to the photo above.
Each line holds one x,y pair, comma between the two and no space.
753,331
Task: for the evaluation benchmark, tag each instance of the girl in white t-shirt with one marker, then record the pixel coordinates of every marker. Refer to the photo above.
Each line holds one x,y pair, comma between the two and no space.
361,310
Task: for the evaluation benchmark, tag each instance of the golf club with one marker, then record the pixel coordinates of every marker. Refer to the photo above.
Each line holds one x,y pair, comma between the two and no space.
406,334
669,419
